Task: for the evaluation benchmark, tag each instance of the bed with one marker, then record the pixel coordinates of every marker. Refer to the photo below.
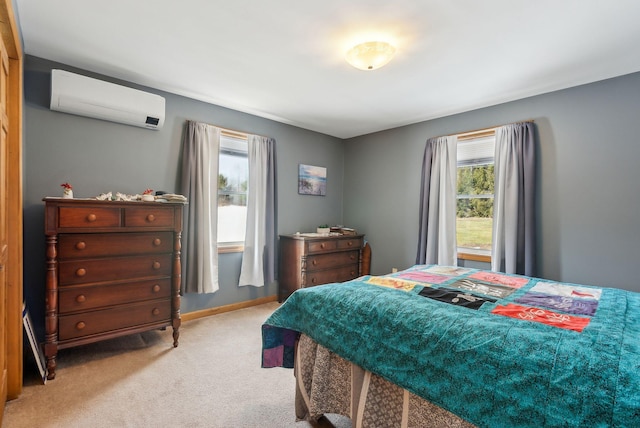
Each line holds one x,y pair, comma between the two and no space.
449,346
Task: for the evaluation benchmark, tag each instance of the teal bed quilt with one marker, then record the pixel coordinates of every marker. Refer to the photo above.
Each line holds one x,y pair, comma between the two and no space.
497,350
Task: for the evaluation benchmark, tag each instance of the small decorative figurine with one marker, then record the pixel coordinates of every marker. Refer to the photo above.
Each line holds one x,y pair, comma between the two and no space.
147,196
123,197
67,193
104,196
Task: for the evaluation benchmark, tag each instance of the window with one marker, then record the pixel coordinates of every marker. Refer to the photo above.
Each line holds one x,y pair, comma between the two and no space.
233,176
475,183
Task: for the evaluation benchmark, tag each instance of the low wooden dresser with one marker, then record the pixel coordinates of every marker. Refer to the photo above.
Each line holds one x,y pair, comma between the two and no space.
306,261
113,268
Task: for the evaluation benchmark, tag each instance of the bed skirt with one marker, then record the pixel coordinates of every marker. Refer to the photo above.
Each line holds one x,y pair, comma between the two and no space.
329,384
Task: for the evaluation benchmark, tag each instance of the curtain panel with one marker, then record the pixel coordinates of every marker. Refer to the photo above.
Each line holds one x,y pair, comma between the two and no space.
259,257
514,234
437,218
199,183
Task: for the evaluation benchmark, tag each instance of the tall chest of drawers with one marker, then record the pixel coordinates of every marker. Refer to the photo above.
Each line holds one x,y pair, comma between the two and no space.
113,268
306,261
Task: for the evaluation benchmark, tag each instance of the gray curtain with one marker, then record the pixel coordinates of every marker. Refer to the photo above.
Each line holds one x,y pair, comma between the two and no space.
259,256
271,221
437,227
199,183
514,234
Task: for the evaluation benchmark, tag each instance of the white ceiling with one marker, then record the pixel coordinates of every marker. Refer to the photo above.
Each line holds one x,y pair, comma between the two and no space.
283,59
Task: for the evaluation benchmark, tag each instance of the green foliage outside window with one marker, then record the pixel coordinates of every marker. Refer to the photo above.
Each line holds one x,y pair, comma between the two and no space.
475,191
222,182
229,194
475,206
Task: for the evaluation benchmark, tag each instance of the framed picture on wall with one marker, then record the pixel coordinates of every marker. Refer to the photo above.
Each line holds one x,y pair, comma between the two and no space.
312,180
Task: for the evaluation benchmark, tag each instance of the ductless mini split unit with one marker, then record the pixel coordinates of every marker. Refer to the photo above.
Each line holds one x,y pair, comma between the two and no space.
85,96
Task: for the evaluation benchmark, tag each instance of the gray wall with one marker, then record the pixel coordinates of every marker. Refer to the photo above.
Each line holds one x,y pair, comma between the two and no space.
587,177
588,193
97,156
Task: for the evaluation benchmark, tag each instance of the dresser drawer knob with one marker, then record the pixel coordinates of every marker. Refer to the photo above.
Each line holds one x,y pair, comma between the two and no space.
155,311
157,242
313,280
91,218
81,272
81,245
81,298
315,262
322,245
349,243
352,257
81,325
156,265
156,288
151,218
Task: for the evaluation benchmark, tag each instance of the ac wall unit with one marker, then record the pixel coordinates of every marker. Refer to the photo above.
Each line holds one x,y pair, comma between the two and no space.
85,96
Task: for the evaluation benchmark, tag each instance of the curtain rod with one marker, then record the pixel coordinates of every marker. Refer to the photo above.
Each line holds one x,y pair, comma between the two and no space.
230,132
473,133
237,134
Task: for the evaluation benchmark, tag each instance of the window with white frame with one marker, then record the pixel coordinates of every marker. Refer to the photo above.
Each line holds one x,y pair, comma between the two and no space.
475,191
233,177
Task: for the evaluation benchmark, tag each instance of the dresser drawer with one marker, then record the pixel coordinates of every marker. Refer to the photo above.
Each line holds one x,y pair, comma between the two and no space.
355,243
113,269
322,246
104,320
342,274
111,244
79,298
88,217
331,260
148,216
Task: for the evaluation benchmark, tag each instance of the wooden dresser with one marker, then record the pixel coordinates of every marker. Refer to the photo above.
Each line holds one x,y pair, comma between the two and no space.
113,268
307,261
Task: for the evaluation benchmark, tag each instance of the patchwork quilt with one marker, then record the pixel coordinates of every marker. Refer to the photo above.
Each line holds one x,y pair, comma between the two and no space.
494,349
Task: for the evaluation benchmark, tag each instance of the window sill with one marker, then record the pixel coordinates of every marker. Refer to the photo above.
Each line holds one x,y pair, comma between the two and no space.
230,249
475,257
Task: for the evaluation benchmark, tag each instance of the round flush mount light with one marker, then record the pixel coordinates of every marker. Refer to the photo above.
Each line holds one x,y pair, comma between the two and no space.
370,55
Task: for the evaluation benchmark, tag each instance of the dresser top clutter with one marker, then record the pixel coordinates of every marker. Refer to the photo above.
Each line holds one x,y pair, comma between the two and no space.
113,269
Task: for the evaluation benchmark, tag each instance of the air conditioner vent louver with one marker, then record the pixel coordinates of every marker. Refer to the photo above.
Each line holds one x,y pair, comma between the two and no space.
85,96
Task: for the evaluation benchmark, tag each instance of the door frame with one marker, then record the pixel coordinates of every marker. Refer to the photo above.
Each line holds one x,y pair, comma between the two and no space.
14,269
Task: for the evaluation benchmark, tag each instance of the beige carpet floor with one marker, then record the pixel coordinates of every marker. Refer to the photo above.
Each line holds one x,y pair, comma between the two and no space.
212,379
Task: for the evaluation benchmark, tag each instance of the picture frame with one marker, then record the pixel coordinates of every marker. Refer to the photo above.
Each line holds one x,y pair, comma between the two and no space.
312,180
30,336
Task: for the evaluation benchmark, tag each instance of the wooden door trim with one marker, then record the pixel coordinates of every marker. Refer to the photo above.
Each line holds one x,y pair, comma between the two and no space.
14,296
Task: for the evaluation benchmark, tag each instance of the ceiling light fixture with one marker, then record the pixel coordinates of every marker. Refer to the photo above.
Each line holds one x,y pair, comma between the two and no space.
370,55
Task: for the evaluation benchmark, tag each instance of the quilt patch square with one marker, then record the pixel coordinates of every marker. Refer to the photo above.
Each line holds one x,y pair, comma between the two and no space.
543,316
560,303
481,287
448,270
496,278
455,297
426,277
566,290
392,282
